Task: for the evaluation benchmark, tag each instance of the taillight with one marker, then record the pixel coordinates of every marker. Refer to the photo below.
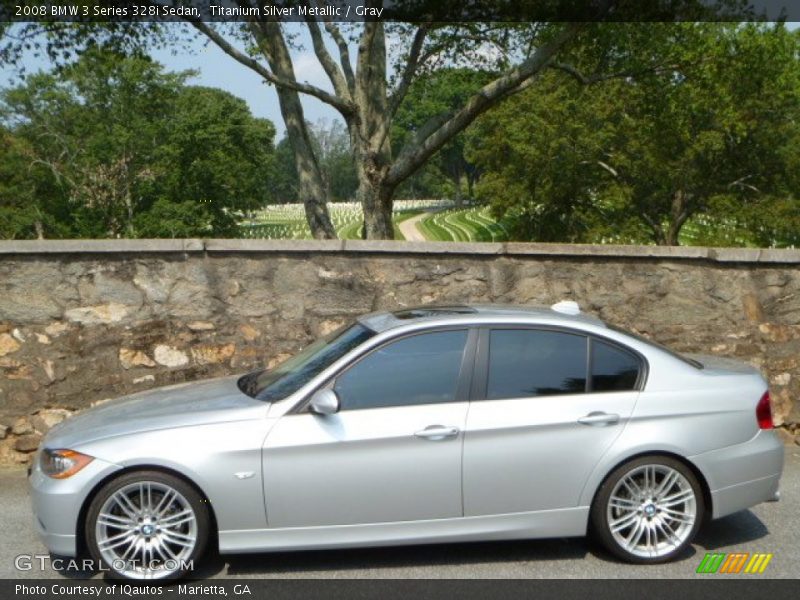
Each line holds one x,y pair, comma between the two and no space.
764,412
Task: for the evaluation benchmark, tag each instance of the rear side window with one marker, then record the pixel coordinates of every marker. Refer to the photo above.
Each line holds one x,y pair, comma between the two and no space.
529,362
613,369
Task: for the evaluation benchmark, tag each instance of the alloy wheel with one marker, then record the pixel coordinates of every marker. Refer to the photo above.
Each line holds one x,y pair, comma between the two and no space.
652,511
146,530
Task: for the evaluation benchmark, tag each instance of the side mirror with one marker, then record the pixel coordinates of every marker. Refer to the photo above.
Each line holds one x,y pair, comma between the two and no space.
324,402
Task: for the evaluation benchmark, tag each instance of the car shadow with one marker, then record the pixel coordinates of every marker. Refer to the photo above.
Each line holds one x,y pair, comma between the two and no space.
370,559
739,528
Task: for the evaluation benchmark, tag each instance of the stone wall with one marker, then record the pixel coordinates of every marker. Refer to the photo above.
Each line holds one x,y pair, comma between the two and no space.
84,321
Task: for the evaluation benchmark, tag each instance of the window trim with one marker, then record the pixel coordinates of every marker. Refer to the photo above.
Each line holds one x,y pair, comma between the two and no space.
480,379
463,383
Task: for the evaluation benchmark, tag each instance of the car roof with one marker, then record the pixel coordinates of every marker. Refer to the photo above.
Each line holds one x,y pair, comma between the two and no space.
473,313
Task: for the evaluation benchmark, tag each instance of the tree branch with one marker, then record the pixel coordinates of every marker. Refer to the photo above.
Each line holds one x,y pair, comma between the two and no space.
340,104
409,70
344,54
576,74
405,83
435,133
326,60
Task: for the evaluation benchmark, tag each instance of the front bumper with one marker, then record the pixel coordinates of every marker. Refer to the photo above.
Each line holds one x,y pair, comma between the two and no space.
57,503
743,475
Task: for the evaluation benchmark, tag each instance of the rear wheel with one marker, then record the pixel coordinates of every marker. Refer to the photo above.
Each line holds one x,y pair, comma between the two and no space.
648,510
147,525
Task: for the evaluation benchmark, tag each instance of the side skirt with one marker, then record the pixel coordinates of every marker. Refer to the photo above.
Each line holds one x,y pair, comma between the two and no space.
570,522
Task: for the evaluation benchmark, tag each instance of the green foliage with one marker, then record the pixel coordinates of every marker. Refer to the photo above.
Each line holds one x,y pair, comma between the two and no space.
708,130
332,148
284,173
449,173
168,219
220,156
110,138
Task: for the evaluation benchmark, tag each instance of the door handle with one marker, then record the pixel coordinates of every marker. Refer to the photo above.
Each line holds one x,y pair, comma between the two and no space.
437,432
599,418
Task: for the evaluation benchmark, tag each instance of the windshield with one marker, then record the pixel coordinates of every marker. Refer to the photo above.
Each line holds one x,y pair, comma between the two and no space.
275,384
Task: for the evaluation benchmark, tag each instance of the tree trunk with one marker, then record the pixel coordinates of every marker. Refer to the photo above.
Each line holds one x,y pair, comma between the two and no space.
369,134
311,187
679,213
376,201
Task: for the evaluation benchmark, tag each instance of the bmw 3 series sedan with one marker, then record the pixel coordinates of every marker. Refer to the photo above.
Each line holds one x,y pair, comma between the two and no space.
425,425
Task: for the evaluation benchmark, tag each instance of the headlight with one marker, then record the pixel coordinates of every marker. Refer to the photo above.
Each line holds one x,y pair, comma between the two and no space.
60,464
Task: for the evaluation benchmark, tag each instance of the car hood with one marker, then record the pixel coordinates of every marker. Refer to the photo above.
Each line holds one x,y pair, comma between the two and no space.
185,404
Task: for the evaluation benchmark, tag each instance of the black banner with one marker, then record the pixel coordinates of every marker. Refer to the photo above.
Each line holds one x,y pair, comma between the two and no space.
712,588
441,11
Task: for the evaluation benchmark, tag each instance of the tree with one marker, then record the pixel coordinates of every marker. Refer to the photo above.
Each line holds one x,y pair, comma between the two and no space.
22,193
222,153
366,91
108,136
284,174
642,154
430,95
332,145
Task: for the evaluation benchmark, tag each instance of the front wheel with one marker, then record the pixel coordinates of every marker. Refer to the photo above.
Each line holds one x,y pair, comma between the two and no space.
648,510
147,525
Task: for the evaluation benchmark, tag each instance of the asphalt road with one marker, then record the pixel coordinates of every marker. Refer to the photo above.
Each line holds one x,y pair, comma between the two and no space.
773,527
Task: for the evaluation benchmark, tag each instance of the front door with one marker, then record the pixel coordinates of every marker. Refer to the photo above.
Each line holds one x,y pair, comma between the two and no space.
393,451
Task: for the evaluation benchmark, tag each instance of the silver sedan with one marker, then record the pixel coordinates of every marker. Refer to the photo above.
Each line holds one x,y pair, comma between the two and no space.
434,424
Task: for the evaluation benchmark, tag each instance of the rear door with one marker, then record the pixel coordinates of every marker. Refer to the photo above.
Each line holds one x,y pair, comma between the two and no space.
547,405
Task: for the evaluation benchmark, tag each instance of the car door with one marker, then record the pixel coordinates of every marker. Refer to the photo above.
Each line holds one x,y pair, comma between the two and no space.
391,453
548,403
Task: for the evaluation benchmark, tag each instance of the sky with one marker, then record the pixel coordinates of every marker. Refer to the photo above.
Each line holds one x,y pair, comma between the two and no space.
217,69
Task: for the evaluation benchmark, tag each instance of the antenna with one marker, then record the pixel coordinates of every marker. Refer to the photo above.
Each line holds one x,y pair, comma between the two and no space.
567,307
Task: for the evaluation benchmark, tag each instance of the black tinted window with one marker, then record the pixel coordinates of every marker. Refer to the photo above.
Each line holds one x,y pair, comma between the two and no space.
422,369
613,369
527,362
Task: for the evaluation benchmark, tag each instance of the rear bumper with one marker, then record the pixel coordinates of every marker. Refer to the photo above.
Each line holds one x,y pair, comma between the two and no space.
743,475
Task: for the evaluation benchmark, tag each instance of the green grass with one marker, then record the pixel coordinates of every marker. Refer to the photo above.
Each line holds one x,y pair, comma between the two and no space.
289,221
471,224
463,225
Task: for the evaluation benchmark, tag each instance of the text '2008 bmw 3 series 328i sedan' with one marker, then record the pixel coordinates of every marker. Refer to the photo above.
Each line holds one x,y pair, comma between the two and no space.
425,425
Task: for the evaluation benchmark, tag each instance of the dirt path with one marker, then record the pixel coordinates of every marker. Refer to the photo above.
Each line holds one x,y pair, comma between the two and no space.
409,228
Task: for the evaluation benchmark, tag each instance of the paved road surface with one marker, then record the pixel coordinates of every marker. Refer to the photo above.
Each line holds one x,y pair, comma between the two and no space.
409,228
773,527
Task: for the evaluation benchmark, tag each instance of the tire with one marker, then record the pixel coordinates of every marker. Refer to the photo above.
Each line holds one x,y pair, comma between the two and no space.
154,526
648,510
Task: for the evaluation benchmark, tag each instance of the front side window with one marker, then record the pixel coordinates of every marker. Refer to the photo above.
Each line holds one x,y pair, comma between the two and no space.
528,362
420,369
